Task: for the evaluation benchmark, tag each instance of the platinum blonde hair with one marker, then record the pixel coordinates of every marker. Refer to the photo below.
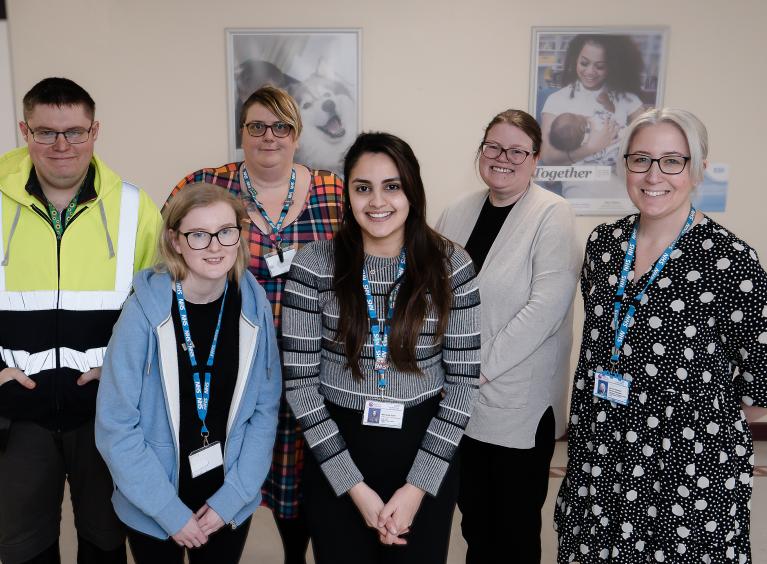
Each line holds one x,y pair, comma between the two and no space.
691,127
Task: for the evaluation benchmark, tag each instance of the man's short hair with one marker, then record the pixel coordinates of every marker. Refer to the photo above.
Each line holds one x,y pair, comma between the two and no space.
56,91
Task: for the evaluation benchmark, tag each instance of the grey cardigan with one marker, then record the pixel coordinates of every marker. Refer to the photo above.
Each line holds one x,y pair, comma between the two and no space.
526,285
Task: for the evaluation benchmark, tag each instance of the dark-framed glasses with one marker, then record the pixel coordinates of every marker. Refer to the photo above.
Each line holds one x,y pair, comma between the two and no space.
199,240
514,155
73,136
258,128
668,164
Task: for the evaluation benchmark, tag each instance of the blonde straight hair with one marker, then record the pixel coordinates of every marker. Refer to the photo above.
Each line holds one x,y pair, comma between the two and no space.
198,195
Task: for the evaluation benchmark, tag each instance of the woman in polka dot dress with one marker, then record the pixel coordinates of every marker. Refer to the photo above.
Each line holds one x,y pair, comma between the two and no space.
668,476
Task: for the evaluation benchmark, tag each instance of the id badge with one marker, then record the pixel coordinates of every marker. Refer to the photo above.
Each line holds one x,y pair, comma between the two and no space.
383,414
206,458
277,266
612,387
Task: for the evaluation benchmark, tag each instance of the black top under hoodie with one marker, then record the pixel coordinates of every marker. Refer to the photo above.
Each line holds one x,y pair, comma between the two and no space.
202,323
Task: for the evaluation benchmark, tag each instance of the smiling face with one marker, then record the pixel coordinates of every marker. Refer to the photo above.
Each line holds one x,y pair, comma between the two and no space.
658,195
504,179
267,151
379,204
61,166
591,66
215,262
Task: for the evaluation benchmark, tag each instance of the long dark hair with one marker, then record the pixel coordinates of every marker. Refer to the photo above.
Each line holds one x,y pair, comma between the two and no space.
624,61
427,271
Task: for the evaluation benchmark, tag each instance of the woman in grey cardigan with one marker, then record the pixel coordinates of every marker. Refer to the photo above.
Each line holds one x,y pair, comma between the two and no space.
522,241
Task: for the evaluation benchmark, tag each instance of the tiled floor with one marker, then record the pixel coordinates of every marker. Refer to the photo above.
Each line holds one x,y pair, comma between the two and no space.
264,545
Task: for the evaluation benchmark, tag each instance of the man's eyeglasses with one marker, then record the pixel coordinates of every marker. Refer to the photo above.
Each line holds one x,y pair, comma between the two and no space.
199,240
258,128
668,164
513,154
73,136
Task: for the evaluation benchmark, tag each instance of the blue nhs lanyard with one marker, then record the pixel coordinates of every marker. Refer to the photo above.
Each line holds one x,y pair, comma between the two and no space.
622,330
275,227
381,337
201,393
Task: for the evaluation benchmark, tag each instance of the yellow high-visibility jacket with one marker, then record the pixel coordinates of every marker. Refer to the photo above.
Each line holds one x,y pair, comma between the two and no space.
60,299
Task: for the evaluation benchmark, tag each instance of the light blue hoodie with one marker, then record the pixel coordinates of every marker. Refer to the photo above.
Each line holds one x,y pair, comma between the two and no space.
138,410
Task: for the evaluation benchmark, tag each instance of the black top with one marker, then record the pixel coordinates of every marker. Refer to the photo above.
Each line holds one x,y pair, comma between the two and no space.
202,324
485,231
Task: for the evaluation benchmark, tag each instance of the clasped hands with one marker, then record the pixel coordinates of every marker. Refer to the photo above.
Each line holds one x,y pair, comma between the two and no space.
390,520
199,527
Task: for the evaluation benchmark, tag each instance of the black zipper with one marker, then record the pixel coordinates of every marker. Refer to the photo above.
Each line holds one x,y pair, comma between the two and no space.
56,391
57,323
44,215
56,399
73,218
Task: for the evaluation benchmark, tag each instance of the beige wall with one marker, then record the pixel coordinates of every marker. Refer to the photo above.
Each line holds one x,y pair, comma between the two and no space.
7,119
433,72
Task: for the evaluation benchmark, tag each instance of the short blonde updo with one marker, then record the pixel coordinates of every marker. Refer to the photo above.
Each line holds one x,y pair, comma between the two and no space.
690,126
198,195
277,101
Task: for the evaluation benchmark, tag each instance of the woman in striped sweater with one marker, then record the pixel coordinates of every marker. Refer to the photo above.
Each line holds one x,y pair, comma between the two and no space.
381,356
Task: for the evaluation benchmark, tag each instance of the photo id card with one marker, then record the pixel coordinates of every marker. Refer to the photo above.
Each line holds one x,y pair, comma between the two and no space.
206,458
611,387
383,414
277,266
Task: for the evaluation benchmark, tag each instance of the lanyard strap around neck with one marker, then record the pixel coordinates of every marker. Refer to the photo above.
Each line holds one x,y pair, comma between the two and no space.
201,393
380,327
622,330
275,227
61,220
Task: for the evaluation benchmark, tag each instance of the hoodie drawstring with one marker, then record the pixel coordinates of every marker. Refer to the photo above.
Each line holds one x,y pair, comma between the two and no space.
150,348
10,235
106,229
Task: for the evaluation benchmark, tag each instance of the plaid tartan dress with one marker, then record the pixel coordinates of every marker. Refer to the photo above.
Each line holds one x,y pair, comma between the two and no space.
319,219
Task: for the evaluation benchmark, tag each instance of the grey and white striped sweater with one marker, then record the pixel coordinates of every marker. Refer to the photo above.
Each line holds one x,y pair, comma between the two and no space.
315,372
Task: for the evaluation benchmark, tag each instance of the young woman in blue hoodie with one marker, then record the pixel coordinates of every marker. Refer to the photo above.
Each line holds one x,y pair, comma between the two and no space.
187,405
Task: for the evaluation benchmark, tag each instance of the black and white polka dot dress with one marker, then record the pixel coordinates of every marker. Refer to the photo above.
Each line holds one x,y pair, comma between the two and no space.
667,478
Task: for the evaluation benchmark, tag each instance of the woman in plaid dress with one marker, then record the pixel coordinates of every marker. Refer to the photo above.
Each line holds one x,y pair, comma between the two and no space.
289,205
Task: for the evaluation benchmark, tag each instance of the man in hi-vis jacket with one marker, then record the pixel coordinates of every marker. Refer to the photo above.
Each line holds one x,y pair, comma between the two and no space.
72,234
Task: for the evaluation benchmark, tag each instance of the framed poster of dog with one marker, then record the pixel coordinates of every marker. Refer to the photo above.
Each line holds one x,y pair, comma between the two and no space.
320,68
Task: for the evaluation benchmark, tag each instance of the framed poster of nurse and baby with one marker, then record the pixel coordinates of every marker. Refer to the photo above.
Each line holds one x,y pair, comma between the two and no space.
586,86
